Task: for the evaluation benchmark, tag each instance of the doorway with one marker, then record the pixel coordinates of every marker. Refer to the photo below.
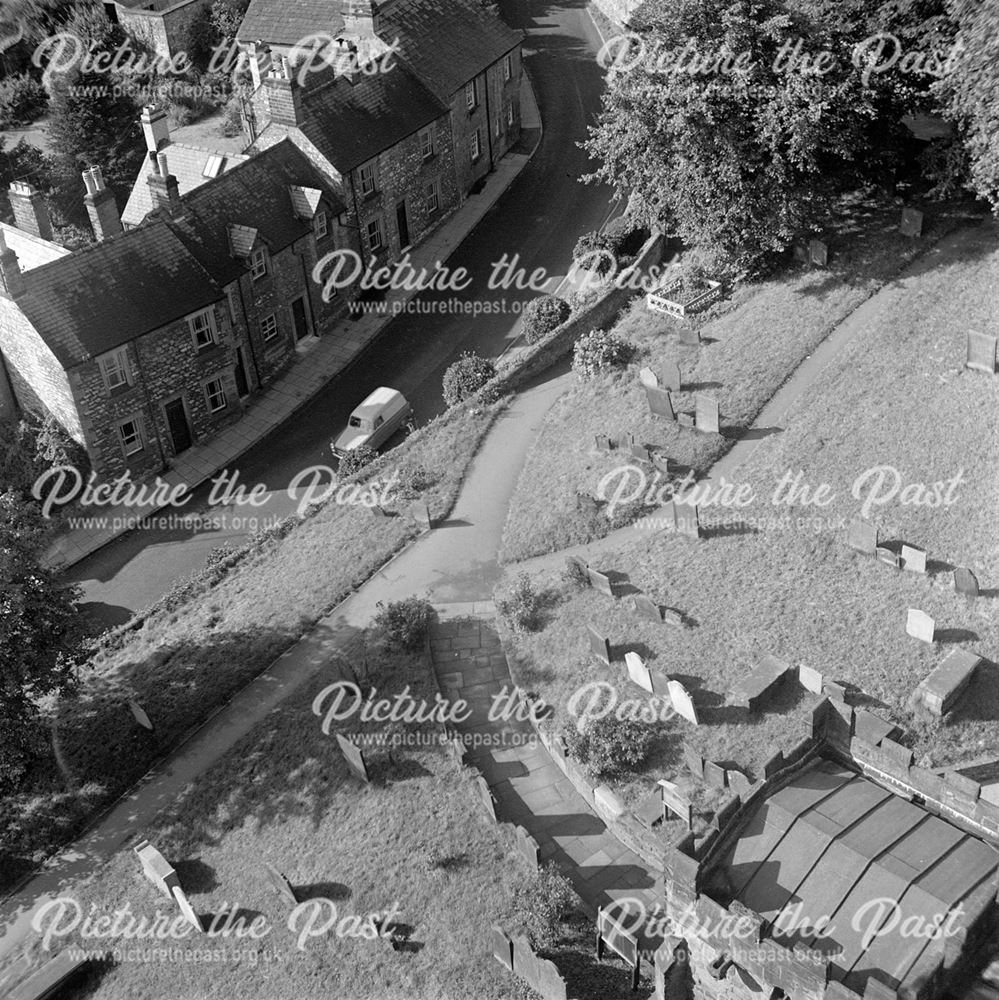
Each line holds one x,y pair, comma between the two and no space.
300,318
402,220
180,429
242,382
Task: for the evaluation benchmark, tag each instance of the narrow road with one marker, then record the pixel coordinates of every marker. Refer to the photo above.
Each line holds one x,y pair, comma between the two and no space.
539,218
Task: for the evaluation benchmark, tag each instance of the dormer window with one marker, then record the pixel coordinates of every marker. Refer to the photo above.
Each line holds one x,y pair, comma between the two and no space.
258,264
202,326
320,224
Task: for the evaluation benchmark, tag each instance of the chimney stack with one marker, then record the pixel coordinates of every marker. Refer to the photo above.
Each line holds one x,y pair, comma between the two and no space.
163,185
11,278
30,212
101,206
155,127
283,94
359,18
260,62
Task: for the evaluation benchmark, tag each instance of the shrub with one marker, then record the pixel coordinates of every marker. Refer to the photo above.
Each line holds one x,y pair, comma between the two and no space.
466,377
593,252
598,351
541,904
22,100
624,238
522,609
405,622
574,573
53,446
356,459
610,745
543,315
220,555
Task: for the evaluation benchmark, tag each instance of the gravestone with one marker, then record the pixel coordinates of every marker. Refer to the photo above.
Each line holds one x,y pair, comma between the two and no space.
185,907
682,703
377,512
649,378
941,689
672,377
156,868
755,689
140,716
600,581
614,925
912,222
810,679
528,847
862,536
685,419
737,781
981,352
638,671
354,757
691,336
706,417
502,947
456,749
641,454
818,253
648,609
599,646
676,802
485,796
660,402
913,559
671,617
687,522
694,761
603,442
649,810
835,690
623,441
713,774
661,462
889,556
280,884
420,513
920,626
965,582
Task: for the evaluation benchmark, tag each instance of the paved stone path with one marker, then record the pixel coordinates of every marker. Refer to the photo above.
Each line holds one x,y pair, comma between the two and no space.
527,784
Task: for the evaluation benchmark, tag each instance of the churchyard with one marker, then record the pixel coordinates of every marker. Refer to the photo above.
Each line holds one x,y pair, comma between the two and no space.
751,341
898,418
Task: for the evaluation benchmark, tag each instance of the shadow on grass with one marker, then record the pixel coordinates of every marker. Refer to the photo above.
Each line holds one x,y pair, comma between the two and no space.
949,635
322,890
980,702
196,876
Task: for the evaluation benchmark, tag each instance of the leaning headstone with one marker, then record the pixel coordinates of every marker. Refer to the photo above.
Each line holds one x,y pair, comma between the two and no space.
648,609
354,757
694,761
420,513
528,847
888,556
981,352
913,559
676,802
687,522
140,716
706,417
671,617
685,419
862,536
599,646
912,222
280,884
818,253
600,581
640,453
920,625
377,512
713,774
660,402
185,907
672,377
737,781
603,442
638,671
156,868
614,931
940,691
680,697
661,462
485,796
649,378
965,582
810,679
502,947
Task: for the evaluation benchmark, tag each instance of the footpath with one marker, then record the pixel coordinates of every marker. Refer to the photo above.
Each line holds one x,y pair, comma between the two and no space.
328,357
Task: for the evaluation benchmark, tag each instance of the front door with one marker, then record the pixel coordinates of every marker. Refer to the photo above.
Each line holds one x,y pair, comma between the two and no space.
403,222
242,382
180,429
300,318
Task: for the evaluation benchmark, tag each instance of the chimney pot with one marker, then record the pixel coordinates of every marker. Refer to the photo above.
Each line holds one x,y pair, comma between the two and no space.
161,161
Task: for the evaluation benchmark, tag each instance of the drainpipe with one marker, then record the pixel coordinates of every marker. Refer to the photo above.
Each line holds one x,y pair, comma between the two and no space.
489,124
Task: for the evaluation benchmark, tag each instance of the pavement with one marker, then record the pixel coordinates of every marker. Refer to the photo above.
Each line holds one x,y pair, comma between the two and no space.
326,358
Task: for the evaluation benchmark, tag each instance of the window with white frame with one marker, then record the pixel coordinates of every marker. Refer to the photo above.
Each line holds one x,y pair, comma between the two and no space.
258,263
130,433
427,143
320,225
367,178
433,197
508,67
215,395
374,229
476,144
202,327
470,95
115,369
269,326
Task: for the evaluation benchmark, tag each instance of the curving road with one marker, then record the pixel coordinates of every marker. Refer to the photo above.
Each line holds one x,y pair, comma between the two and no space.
540,217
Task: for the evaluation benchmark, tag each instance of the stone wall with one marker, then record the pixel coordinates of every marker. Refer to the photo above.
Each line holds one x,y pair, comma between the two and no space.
165,29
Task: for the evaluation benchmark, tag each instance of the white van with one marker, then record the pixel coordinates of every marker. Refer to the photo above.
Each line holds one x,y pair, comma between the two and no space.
374,421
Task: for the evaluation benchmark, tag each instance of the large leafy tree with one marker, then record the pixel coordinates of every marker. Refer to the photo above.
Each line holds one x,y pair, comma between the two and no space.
738,161
40,633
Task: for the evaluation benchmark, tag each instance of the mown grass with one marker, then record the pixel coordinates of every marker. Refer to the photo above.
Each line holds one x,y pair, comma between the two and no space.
897,397
752,344
181,662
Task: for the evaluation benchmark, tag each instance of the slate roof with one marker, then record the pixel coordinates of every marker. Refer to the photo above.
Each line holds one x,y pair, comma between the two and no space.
350,123
32,251
186,163
447,42
99,298
305,199
831,841
287,22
